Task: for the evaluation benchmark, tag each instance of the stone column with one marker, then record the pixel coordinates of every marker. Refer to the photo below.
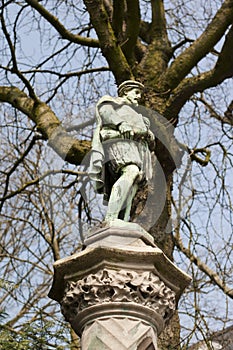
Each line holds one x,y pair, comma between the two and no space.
120,291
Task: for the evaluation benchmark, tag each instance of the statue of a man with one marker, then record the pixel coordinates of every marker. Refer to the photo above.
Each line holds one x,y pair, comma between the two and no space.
122,141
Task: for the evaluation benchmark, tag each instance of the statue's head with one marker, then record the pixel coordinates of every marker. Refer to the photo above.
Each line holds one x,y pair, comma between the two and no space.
131,91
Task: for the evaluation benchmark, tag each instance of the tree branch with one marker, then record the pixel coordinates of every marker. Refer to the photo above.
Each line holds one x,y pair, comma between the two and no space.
14,167
224,66
144,31
214,277
68,74
226,119
132,30
33,298
184,63
159,31
159,49
48,124
108,42
223,69
204,268
158,24
183,92
65,34
181,43
108,7
229,113
38,179
117,19
14,59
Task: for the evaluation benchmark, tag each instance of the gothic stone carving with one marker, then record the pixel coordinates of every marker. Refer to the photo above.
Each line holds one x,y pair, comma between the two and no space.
121,334
108,285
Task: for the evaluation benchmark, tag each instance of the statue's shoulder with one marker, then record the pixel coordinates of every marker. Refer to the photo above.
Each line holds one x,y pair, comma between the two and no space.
109,99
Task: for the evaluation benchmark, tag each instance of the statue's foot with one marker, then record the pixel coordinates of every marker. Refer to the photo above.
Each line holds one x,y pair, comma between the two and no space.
111,217
115,222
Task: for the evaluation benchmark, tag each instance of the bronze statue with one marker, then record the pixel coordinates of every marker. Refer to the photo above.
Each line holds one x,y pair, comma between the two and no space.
121,157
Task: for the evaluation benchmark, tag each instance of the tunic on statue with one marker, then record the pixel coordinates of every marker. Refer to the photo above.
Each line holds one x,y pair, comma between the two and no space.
111,150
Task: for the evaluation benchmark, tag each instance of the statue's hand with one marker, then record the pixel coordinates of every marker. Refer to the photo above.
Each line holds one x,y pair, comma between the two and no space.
151,140
151,136
126,130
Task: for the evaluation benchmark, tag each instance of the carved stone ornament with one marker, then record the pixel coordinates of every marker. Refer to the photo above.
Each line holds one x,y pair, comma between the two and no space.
119,333
111,286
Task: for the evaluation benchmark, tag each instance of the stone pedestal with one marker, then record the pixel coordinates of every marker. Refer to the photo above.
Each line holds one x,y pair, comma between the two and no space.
120,291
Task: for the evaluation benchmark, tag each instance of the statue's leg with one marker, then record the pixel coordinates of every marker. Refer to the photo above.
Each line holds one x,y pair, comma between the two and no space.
121,190
129,201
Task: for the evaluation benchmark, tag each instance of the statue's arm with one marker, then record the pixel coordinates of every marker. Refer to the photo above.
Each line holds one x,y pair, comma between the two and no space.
112,124
109,115
150,135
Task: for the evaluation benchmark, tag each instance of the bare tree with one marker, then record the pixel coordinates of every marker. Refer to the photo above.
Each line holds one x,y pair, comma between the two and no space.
57,59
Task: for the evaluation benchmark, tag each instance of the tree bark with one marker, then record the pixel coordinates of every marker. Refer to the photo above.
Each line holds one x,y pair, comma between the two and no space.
47,124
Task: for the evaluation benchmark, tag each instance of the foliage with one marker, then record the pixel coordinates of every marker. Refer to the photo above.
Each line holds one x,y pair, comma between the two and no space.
33,336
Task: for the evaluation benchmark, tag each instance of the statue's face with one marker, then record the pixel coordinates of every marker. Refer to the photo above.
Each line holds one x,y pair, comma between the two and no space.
133,96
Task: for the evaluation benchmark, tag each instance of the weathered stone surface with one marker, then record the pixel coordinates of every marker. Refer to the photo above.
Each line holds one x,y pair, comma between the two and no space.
111,293
119,292
119,333
98,255
118,232
109,286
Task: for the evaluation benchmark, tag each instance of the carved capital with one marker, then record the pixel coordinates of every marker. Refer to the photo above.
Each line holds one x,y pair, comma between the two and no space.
124,286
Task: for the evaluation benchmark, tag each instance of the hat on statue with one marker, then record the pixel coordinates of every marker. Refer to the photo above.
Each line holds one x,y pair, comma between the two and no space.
129,84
